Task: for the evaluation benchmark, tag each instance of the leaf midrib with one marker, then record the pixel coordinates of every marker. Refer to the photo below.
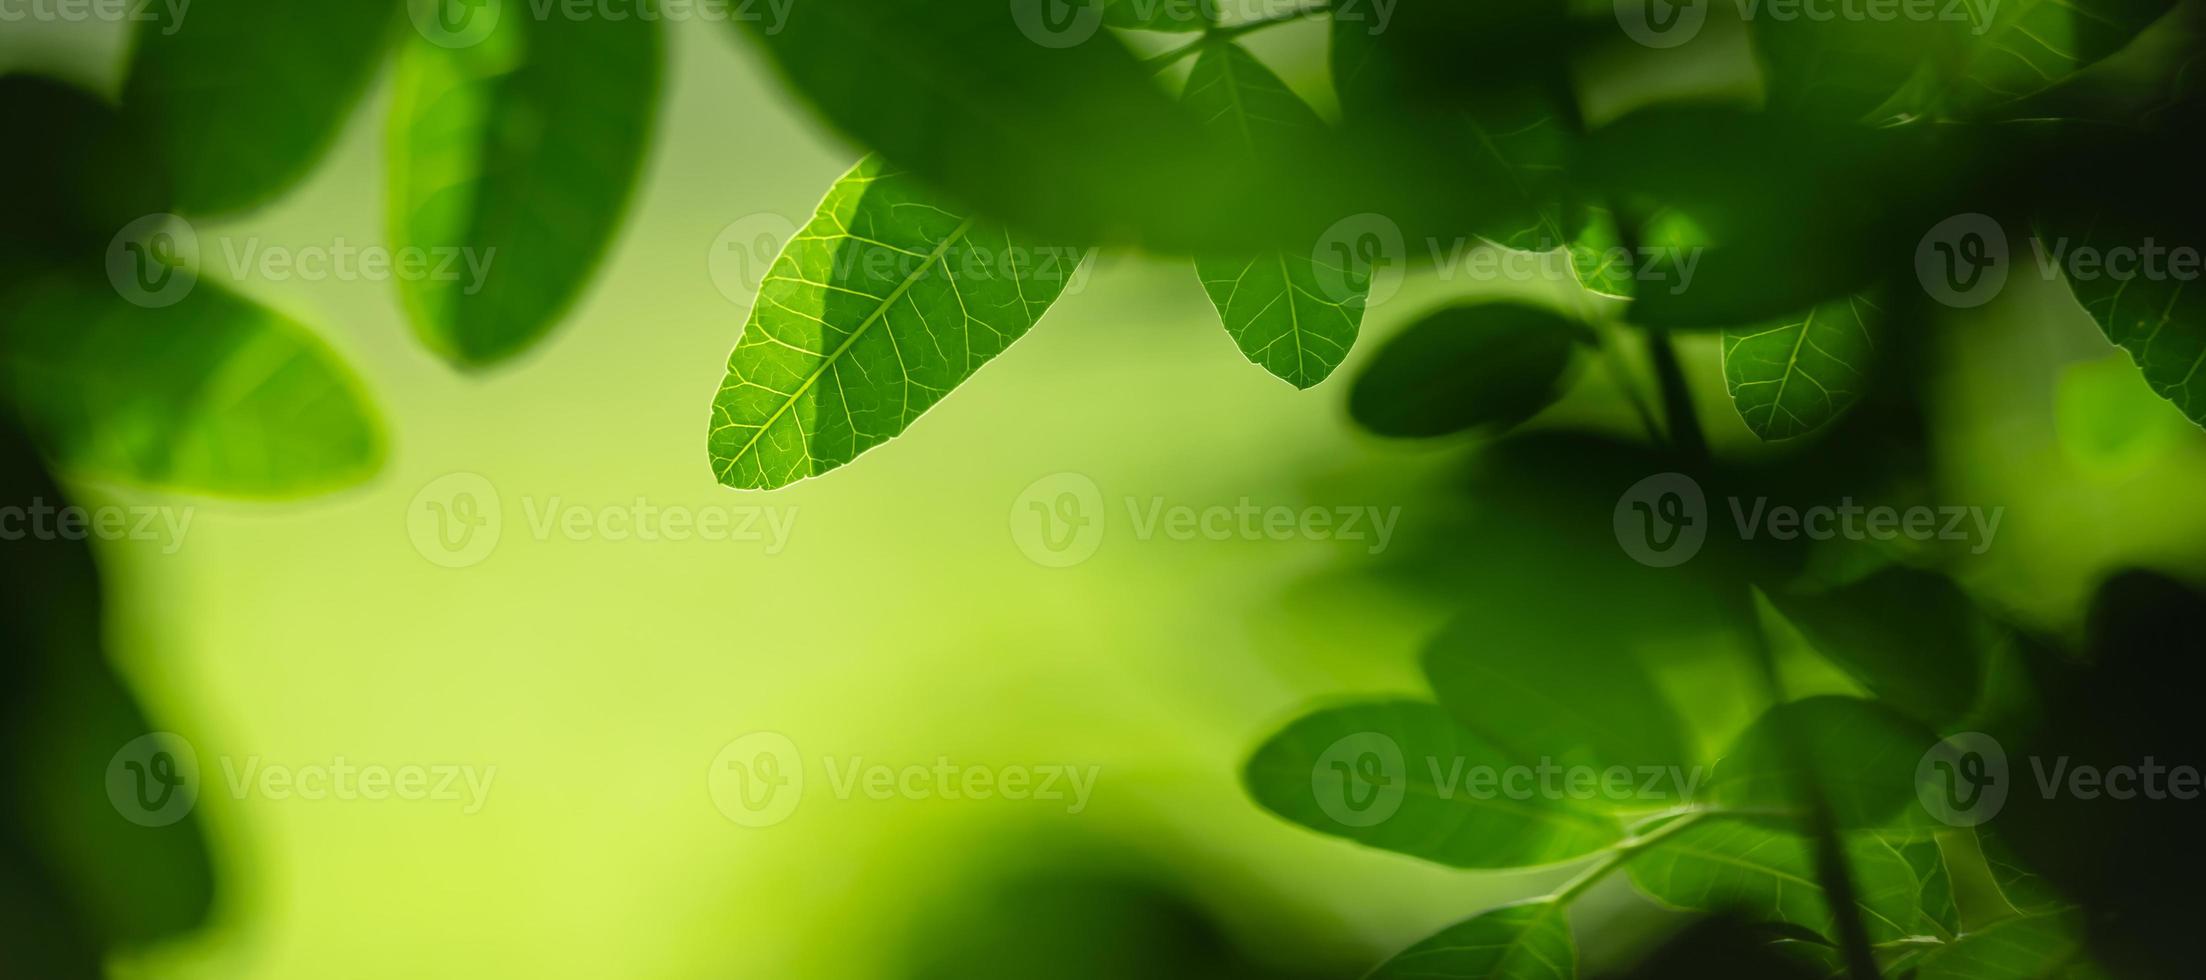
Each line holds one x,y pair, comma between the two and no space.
835,356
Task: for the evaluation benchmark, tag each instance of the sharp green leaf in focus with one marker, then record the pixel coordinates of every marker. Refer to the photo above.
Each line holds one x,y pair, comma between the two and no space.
1861,753
1488,366
515,155
243,96
878,307
1293,313
1795,376
1730,865
1398,775
2029,45
2160,321
213,394
1529,941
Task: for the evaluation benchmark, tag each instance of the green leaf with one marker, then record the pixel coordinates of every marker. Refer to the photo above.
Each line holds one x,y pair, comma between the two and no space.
517,155
1913,638
1844,68
870,315
1528,941
1728,865
1294,314
1491,366
2029,947
1861,753
1542,695
1601,263
2159,320
90,176
213,394
1795,376
2029,45
243,96
1398,775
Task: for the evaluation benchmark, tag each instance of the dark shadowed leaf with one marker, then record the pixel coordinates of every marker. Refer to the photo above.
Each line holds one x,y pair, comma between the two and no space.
518,154
1913,638
1487,366
1530,941
1741,868
79,176
243,96
1861,753
1399,775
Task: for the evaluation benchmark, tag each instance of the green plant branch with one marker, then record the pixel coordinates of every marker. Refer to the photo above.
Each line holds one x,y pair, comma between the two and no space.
1222,33
1623,850
1977,897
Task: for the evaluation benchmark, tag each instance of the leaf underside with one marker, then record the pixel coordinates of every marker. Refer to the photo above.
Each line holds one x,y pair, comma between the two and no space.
1795,376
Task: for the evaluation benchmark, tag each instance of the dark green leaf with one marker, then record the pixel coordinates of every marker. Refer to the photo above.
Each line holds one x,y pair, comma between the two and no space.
1487,366
871,314
243,96
1293,313
1861,753
1913,638
2030,947
516,153
1795,376
1529,941
1398,775
87,178
2029,45
1733,866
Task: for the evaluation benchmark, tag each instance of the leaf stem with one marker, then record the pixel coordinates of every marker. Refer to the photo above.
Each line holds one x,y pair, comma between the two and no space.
1622,851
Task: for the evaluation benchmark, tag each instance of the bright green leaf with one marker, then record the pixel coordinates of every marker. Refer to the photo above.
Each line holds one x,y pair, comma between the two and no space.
1295,314
1400,775
516,155
1729,865
1487,366
871,314
213,394
1861,753
1177,16
2029,947
1529,941
243,96
1795,376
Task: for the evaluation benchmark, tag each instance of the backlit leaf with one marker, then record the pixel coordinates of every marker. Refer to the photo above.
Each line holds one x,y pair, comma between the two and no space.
1529,941
1861,753
1794,376
1733,866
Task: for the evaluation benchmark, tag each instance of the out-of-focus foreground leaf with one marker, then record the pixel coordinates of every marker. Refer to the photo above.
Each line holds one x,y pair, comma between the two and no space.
874,311
1861,754
242,96
1491,366
1527,941
77,880
519,151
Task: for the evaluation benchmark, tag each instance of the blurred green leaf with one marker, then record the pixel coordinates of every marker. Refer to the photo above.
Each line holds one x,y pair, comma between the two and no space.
1177,16
1861,753
518,154
1843,68
1913,638
213,394
79,880
243,96
1396,775
2029,45
872,313
1528,941
88,177
1795,376
1543,695
1492,366
1295,314
1733,866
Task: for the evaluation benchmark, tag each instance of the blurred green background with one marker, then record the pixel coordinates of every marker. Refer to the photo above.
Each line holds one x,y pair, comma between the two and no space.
900,624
